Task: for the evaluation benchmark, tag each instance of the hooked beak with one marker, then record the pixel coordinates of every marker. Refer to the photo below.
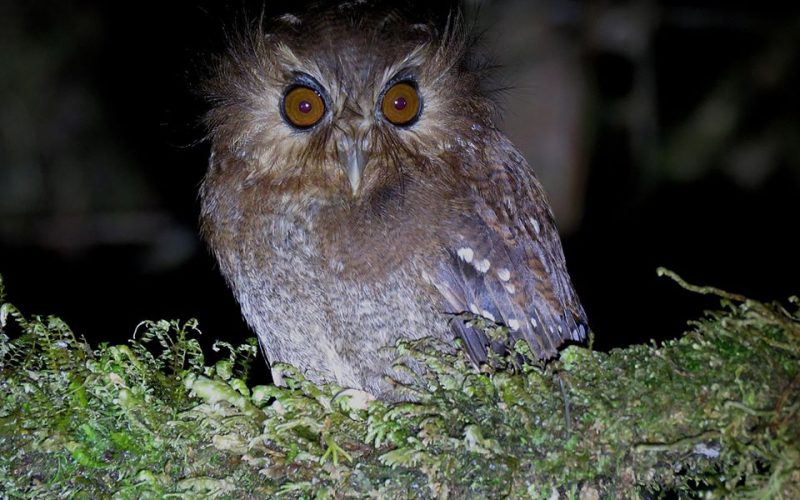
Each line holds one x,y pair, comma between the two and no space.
353,158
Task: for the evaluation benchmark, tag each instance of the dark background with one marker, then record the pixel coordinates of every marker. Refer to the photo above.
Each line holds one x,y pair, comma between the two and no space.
667,134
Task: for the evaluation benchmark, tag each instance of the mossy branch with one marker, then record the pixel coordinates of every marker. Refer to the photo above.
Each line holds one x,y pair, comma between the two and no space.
712,412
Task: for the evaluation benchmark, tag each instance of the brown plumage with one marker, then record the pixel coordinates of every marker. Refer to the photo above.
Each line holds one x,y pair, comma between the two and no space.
358,192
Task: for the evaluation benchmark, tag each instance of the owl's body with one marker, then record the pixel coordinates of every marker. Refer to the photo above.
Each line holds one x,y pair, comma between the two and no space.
358,193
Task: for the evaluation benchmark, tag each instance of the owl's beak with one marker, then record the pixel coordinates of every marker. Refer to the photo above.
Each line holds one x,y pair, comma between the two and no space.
353,157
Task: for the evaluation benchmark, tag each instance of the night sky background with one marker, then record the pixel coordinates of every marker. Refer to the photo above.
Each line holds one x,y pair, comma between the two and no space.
682,150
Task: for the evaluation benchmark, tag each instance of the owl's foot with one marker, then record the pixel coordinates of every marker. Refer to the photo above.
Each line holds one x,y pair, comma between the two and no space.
355,398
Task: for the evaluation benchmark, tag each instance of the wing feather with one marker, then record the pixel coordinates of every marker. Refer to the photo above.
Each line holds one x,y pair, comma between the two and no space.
504,261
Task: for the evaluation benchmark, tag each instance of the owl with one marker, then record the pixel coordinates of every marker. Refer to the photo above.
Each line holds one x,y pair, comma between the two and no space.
359,192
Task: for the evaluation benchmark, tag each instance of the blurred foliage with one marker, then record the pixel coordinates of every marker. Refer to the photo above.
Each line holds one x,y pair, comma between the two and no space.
712,412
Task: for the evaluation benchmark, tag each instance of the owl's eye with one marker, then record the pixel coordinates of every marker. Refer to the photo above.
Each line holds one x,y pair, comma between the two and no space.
401,104
303,107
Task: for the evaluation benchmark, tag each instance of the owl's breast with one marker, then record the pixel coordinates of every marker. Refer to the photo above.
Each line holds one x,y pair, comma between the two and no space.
330,297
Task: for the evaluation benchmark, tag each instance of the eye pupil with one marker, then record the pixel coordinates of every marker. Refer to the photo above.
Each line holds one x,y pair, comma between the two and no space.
304,107
400,103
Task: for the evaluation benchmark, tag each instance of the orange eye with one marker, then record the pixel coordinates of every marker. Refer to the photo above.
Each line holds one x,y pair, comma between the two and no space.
303,107
401,104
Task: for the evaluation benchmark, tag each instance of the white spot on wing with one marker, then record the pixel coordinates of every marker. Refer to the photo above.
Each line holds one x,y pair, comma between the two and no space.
474,309
535,224
510,288
486,314
466,254
513,324
504,274
534,323
483,265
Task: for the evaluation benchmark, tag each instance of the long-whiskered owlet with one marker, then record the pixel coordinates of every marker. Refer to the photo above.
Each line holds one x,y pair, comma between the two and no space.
359,192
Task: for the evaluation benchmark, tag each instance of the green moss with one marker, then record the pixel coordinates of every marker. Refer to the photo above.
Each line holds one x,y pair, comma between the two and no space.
714,411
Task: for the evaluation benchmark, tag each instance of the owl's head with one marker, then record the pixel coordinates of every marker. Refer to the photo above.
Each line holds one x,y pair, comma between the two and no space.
346,97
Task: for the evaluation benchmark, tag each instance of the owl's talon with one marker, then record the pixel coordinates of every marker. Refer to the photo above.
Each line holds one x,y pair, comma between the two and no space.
356,398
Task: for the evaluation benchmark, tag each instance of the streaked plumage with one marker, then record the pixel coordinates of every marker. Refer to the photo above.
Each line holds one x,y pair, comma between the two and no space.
340,237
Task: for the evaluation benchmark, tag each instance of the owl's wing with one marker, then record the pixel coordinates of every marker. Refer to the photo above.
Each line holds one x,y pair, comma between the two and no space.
503,260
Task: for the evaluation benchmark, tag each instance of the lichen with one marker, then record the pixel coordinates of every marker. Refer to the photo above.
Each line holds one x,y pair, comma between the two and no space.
713,412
